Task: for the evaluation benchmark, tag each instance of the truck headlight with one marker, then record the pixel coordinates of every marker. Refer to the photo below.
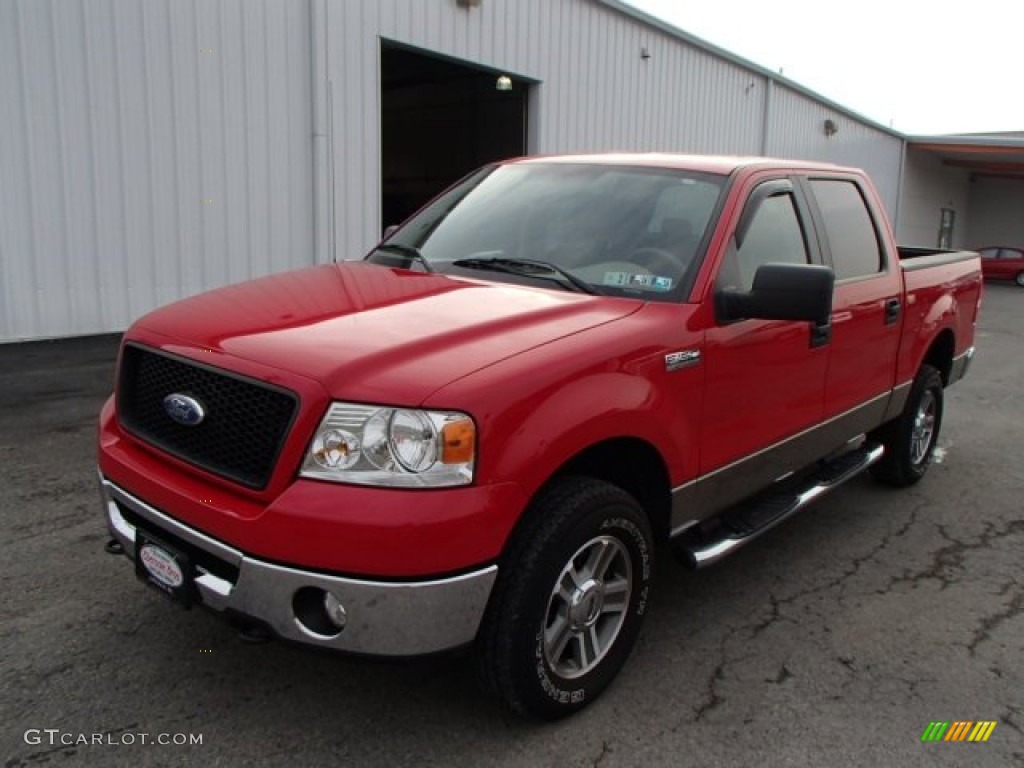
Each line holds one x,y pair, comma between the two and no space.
400,447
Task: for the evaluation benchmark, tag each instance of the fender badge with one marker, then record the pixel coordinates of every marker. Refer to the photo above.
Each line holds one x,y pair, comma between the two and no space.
686,357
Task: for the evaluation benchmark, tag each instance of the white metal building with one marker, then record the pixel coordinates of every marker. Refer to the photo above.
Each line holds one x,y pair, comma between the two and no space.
150,149
964,191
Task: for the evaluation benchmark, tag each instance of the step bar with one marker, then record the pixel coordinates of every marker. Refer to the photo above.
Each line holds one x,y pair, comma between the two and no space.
703,552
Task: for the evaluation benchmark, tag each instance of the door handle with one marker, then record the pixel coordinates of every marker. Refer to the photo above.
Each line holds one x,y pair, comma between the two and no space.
821,334
892,311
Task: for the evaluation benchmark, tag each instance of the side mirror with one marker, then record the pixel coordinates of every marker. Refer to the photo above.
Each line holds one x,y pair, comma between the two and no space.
781,292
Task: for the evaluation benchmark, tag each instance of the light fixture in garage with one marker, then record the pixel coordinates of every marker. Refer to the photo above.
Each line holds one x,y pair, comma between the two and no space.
503,83
468,3
831,129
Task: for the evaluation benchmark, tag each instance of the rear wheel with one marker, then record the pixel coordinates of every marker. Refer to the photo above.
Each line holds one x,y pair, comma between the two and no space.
910,439
569,601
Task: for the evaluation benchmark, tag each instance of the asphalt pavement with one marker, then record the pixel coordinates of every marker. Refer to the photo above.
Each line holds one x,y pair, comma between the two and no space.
833,640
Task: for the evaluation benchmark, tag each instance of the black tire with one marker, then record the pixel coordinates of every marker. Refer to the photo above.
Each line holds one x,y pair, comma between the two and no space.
574,521
1019,279
910,439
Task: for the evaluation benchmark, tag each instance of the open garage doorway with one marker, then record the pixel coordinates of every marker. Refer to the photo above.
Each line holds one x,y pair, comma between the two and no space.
440,119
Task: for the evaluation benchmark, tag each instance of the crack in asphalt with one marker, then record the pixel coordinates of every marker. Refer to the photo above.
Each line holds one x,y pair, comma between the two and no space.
847,662
1008,720
774,617
853,567
988,623
912,685
712,699
856,563
947,561
605,751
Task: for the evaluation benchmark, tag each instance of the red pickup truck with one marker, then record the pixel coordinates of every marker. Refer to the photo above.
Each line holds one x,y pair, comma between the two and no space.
483,433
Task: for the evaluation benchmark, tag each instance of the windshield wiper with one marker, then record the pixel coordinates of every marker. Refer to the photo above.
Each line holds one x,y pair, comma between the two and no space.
529,268
410,252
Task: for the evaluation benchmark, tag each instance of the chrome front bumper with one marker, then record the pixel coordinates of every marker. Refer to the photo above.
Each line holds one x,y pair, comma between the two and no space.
383,618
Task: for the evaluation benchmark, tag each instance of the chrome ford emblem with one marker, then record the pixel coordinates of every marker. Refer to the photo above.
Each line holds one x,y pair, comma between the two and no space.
183,409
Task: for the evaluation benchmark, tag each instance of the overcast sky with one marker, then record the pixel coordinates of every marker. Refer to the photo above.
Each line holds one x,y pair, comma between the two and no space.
921,66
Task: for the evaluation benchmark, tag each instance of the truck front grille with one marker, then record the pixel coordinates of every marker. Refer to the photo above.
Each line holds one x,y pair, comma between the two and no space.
244,425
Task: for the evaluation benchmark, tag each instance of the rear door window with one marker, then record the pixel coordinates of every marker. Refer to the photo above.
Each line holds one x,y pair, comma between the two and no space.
851,234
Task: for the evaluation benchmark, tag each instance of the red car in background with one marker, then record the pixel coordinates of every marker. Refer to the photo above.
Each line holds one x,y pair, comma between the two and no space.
1001,263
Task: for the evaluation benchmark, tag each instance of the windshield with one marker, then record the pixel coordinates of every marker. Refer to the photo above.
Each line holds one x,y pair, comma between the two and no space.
629,231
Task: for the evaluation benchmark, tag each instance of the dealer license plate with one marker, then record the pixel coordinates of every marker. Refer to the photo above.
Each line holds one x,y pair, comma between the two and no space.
167,569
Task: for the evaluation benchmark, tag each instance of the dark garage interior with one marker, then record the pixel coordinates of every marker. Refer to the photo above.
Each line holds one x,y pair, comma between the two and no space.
439,120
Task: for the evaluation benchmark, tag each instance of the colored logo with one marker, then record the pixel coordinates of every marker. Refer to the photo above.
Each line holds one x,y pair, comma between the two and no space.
161,566
183,409
959,730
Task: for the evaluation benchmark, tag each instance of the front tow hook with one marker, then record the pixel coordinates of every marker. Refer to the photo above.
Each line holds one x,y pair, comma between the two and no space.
113,547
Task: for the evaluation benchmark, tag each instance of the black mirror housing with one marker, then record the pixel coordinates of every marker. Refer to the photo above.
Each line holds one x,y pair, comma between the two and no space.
781,292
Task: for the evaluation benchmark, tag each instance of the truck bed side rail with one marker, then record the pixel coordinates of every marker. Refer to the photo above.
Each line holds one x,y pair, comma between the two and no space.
912,258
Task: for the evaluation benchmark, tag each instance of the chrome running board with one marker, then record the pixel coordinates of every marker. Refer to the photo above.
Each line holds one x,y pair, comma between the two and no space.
708,543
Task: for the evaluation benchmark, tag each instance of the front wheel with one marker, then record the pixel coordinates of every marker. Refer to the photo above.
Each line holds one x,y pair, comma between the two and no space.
570,598
1019,279
910,439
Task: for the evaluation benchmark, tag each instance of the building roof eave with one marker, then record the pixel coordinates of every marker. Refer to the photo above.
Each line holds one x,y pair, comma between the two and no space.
721,53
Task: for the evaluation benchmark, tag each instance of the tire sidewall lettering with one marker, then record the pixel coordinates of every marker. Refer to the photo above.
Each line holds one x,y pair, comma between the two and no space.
553,691
637,537
636,544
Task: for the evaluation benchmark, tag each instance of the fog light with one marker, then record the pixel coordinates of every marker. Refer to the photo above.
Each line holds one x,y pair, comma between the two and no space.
318,613
335,610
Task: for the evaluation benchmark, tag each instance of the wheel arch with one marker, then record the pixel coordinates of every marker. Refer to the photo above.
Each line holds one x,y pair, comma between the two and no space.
634,465
940,354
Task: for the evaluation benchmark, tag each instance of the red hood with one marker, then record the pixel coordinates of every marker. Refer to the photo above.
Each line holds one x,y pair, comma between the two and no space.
375,334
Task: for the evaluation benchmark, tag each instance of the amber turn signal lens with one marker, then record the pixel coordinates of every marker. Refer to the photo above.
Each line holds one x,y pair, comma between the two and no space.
458,442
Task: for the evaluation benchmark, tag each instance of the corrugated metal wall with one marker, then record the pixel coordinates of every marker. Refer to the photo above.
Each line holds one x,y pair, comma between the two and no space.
931,186
595,92
996,215
797,129
155,148
149,150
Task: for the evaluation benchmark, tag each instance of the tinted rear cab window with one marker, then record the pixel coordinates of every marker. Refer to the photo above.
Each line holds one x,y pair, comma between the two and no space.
852,239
